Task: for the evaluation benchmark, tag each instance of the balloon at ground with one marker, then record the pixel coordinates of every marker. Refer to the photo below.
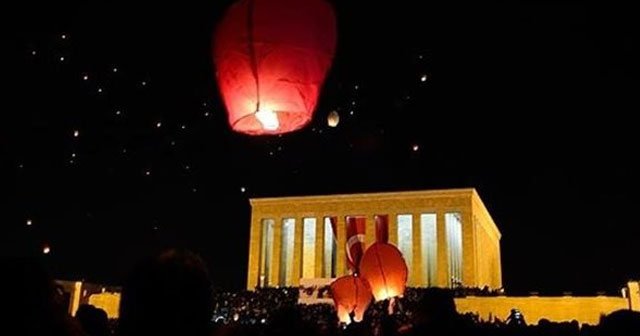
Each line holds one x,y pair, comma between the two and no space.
350,294
384,268
271,59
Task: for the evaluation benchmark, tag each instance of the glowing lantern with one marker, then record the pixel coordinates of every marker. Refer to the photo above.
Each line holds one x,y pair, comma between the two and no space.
272,57
351,294
385,270
333,119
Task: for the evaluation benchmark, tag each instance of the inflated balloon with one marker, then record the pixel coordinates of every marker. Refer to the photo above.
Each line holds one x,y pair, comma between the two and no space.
271,59
351,294
384,268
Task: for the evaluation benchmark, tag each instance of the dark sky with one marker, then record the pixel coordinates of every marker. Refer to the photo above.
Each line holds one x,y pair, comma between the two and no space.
532,103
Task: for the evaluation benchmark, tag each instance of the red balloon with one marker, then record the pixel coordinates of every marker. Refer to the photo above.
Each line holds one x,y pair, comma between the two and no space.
350,294
385,270
271,58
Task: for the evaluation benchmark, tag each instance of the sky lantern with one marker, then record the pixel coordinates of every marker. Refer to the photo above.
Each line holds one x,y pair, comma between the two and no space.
333,119
351,294
385,270
271,59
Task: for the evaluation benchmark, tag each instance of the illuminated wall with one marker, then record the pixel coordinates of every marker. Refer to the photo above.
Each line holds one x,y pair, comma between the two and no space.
633,293
446,236
583,309
109,302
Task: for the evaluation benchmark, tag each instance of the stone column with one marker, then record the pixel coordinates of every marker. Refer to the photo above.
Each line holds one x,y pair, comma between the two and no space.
415,274
296,273
443,249
319,246
255,233
634,295
497,275
341,265
469,250
393,228
274,279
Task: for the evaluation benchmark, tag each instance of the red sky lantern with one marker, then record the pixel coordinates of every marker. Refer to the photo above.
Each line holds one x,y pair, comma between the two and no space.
350,294
385,270
271,59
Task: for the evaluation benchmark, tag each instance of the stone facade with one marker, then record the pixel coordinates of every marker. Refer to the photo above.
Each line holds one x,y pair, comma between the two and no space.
588,309
480,236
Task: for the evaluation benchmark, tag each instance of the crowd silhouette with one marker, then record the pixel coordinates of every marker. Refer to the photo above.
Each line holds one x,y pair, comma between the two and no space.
171,294
94,321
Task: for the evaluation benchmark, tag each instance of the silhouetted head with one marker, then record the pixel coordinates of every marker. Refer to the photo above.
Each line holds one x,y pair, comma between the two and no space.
288,321
94,321
543,322
621,322
35,306
435,309
169,295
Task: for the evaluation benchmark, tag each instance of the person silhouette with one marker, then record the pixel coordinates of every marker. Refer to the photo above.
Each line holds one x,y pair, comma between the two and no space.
515,318
168,295
36,306
94,321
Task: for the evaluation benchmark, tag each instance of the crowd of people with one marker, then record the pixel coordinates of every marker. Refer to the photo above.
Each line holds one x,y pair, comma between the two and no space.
171,294
256,307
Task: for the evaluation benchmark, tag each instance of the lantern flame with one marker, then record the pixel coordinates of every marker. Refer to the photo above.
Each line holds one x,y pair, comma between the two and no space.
268,119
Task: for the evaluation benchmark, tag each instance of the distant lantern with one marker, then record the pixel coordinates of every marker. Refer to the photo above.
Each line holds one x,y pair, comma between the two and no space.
351,294
333,119
271,59
46,249
385,270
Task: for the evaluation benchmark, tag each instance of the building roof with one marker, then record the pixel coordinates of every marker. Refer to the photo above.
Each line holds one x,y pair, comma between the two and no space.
471,193
379,195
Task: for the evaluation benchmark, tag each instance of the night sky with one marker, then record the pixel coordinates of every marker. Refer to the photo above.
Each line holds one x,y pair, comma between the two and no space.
115,143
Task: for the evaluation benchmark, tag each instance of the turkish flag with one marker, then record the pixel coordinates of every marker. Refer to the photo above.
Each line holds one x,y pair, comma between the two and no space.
382,228
356,229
